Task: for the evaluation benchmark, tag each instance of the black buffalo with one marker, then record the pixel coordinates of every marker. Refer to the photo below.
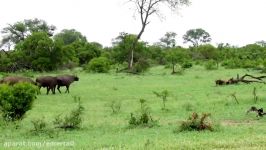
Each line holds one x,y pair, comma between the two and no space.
47,81
65,80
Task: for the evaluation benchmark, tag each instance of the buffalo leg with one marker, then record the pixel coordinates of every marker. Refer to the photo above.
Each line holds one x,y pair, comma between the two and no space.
48,89
58,88
67,89
53,90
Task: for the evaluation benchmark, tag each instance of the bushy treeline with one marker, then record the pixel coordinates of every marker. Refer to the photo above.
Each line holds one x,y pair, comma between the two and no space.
33,45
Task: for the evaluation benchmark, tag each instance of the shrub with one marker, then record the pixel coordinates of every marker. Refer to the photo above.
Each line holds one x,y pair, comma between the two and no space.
197,123
141,66
73,120
187,64
143,118
232,63
39,125
100,65
16,100
211,65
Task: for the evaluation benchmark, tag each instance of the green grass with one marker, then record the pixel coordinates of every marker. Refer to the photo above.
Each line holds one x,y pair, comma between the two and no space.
194,91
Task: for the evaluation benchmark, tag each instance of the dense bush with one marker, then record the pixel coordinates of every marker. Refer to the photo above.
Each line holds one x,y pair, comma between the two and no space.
187,64
16,100
100,65
197,123
141,66
211,65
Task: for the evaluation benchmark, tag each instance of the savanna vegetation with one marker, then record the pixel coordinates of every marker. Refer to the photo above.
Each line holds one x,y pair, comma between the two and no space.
132,94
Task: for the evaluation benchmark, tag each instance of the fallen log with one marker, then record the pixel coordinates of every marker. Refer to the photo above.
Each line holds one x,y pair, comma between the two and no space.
241,79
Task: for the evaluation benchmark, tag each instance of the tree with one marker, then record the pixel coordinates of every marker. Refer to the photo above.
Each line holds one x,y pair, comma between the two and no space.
88,51
39,52
176,56
196,36
122,48
169,39
20,30
69,36
261,43
147,8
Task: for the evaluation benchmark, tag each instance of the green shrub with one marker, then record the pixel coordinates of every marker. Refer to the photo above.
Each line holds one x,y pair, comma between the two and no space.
100,65
197,123
232,63
71,121
187,64
141,66
16,100
143,118
211,65
39,125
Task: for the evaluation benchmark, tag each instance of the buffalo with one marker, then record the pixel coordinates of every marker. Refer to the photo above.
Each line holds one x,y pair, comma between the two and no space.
220,82
11,80
65,80
47,81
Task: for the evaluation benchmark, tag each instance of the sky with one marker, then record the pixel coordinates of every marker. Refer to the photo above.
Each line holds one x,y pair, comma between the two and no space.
237,22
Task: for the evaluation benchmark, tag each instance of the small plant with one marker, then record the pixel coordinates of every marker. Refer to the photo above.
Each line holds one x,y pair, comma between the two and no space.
163,95
16,100
197,123
73,120
115,106
39,125
233,95
143,118
255,97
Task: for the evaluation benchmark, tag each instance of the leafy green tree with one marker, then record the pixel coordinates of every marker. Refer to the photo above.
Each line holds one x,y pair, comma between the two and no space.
207,51
169,39
146,9
197,36
122,49
40,52
68,36
157,54
177,56
88,51
19,31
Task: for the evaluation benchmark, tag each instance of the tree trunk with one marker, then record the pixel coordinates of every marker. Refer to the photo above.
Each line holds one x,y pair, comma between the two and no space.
131,60
173,67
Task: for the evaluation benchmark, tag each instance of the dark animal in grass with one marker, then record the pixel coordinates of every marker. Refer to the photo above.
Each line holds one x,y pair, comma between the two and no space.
11,80
259,112
47,81
220,82
65,80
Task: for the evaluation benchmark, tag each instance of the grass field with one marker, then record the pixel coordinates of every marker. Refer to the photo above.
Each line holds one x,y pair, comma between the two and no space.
194,91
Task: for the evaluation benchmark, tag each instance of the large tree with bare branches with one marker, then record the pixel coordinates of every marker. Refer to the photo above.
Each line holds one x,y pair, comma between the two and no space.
147,8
